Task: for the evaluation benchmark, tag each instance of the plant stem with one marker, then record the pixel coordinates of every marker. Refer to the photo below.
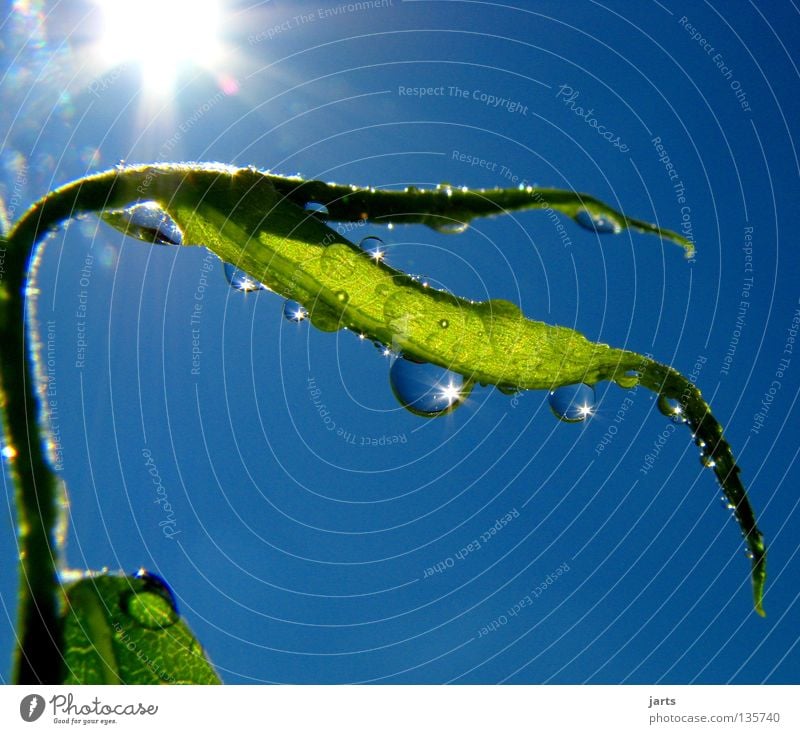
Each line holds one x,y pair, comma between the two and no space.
39,653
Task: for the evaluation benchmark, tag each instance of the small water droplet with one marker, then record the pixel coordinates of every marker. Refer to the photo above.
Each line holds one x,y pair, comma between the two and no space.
573,403
426,389
318,210
239,280
451,227
294,312
508,389
671,408
9,453
707,461
342,296
385,350
374,247
749,554
146,221
444,323
150,602
600,223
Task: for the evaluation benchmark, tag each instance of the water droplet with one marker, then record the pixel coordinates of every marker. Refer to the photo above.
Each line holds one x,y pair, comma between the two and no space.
749,553
444,323
508,389
426,389
150,602
383,349
318,210
294,312
600,223
374,247
342,296
9,453
451,227
707,461
573,403
239,280
671,408
146,221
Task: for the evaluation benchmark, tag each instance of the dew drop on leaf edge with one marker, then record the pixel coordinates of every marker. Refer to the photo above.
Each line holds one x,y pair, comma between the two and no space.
294,312
600,223
150,602
374,247
316,209
451,227
426,389
241,281
147,221
572,403
671,408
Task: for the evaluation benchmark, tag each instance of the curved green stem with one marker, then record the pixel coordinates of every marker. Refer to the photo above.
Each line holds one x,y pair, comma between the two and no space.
37,487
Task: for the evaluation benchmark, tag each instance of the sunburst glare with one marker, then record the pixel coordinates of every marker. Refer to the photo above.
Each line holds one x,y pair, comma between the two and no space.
160,37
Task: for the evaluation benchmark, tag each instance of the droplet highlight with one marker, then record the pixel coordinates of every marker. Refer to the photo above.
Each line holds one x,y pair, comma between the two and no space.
374,247
294,312
240,280
573,403
672,408
426,389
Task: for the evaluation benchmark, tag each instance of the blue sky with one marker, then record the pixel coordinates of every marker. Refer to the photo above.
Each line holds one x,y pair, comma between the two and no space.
304,553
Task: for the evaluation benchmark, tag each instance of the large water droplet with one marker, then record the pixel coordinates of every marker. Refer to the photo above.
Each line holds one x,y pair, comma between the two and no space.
426,389
318,210
294,312
600,223
146,221
150,602
672,408
573,403
451,227
374,247
239,280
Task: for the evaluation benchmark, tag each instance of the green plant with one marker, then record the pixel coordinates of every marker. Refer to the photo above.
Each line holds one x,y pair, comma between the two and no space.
257,221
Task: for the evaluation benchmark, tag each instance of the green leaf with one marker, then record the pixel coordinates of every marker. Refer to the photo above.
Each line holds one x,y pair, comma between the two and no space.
450,209
257,222
126,629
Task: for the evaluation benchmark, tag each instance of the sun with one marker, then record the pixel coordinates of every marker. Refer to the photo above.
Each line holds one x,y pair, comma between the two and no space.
160,37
